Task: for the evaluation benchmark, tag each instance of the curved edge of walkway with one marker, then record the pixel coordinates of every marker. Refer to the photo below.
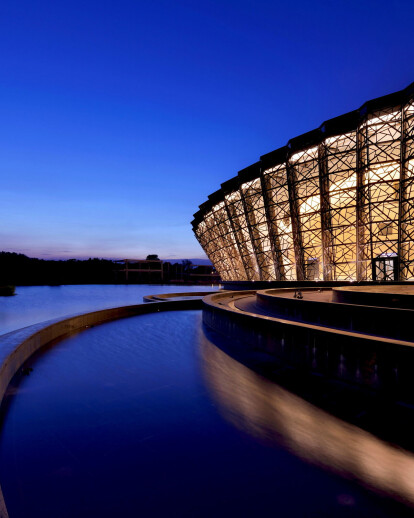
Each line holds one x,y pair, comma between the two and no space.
167,297
18,346
224,304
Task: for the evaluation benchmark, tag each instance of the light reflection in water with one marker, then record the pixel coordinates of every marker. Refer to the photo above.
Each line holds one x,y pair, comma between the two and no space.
271,413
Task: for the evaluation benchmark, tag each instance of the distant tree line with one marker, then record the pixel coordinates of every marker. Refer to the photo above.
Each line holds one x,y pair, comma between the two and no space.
20,270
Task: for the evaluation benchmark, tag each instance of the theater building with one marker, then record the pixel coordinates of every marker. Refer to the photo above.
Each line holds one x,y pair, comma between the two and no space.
334,204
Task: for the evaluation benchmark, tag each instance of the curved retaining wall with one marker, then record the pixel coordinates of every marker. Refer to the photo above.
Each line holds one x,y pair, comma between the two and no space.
18,346
370,361
387,296
266,285
350,316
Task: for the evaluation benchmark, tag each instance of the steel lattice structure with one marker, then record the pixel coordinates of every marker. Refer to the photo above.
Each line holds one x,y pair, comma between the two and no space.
336,203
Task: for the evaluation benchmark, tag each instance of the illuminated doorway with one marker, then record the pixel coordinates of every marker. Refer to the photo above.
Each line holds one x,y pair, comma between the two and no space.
312,269
385,268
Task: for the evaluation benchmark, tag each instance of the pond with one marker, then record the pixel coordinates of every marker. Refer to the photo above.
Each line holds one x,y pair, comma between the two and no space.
127,419
33,304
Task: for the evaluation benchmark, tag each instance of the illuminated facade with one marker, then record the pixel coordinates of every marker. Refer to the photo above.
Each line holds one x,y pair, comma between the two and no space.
336,203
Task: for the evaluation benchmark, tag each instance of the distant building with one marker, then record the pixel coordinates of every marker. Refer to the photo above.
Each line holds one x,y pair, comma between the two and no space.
188,273
140,270
203,274
152,271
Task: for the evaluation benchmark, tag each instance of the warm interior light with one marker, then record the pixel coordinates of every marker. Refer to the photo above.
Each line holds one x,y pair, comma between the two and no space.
311,204
385,117
234,196
275,169
383,173
307,154
346,183
218,206
284,226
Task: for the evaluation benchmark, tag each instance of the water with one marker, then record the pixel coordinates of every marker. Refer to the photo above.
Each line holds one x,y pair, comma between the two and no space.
146,417
33,304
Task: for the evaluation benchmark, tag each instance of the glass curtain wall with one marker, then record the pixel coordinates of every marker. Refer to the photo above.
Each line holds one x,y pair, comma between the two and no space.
247,252
256,217
277,194
406,252
339,210
220,245
306,191
379,154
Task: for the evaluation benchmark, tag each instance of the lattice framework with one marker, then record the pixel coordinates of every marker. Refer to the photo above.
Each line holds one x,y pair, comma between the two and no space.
329,211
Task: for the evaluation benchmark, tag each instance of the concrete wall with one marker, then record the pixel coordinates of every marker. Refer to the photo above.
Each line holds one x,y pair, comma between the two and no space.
265,285
387,296
394,323
369,361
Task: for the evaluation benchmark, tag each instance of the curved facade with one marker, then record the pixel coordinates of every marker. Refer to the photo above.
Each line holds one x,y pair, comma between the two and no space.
336,203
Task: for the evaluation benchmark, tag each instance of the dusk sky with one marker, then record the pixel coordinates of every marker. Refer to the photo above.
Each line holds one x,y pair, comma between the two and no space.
118,118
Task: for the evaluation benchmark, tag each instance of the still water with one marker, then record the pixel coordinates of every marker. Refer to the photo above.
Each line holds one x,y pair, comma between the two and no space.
147,417
33,304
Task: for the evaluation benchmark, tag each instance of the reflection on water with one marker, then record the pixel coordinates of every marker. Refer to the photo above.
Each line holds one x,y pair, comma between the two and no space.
268,411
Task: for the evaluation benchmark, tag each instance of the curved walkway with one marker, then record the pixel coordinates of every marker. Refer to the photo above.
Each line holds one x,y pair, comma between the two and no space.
316,311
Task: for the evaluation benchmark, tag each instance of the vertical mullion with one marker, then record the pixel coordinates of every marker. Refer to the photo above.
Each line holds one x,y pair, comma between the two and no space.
236,240
325,214
360,206
402,267
296,228
274,238
249,227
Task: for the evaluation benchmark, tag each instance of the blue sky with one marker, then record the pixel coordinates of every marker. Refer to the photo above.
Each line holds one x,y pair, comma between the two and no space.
118,118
